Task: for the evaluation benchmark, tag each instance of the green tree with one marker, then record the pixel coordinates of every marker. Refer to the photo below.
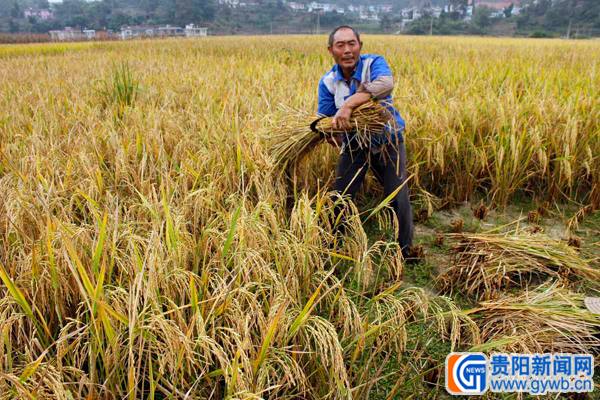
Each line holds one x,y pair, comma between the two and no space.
508,10
13,27
386,23
482,17
15,10
193,11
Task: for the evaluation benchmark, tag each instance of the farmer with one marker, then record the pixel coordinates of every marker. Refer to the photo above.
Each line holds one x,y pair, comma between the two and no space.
354,80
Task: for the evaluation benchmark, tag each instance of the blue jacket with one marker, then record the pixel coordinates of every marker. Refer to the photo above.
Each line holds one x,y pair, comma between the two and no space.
334,90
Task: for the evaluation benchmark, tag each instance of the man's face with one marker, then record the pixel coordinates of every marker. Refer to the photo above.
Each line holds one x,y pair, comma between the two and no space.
345,49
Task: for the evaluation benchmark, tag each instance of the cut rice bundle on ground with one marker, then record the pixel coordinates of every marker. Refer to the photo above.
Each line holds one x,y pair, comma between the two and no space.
483,264
293,137
549,318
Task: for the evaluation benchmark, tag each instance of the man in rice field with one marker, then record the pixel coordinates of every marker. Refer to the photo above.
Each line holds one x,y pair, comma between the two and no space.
355,79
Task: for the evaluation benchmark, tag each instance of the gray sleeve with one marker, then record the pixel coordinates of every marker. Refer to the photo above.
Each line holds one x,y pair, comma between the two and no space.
378,88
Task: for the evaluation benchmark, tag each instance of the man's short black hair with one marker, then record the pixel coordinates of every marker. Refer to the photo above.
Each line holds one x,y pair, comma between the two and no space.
333,32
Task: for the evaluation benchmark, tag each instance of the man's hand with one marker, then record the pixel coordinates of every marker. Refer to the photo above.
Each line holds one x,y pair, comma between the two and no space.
335,140
341,120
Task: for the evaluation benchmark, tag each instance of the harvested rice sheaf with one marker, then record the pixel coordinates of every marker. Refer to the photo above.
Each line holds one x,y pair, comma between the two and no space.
483,264
294,137
549,318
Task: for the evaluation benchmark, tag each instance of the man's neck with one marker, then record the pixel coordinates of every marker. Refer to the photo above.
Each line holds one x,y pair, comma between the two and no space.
347,73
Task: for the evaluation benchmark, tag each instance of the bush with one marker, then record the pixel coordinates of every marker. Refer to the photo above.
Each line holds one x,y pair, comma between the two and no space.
540,34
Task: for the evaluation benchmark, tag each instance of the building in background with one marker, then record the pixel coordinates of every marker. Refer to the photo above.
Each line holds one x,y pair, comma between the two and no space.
43,14
195,31
67,34
169,30
90,34
145,31
136,31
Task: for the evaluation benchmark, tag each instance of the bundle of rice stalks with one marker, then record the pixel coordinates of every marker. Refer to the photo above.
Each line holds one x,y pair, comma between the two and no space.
547,319
485,263
299,132
368,119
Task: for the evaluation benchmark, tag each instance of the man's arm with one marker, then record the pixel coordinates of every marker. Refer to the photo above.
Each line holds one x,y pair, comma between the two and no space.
326,100
327,107
342,117
381,82
379,88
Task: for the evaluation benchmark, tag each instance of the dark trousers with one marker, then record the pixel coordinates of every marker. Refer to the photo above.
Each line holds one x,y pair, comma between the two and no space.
389,168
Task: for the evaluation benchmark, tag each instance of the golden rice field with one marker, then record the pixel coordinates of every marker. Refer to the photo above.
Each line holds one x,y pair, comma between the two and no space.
150,249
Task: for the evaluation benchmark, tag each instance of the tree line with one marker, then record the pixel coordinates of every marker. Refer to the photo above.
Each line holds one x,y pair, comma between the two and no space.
536,18
571,18
104,14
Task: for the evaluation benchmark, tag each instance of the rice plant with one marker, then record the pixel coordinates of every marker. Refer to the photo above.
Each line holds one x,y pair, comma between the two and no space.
147,250
120,90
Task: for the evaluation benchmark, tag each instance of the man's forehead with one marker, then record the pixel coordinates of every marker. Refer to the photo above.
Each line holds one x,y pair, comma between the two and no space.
344,35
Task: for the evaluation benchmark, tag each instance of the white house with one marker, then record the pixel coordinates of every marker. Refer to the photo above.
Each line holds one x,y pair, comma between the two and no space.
436,11
169,30
368,16
89,34
385,8
411,13
229,3
43,14
66,34
296,6
448,8
131,32
314,6
195,31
